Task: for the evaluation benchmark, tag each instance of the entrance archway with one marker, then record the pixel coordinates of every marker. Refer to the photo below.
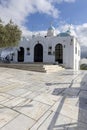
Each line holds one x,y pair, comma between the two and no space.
38,53
21,55
59,53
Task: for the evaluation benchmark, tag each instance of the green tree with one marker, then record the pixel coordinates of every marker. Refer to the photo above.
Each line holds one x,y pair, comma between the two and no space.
10,34
2,33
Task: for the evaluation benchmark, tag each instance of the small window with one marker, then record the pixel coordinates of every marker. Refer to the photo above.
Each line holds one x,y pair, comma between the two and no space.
75,50
50,50
50,47
28,51
71,40
49,53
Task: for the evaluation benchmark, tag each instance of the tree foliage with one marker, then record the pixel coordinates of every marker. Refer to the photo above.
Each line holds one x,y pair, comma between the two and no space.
10,34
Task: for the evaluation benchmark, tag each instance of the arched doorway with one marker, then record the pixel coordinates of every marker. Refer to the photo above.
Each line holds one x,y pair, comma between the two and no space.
21,55
38,53
59,53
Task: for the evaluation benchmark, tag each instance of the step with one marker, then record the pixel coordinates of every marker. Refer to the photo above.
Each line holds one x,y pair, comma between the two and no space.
24,67
53,68
33,67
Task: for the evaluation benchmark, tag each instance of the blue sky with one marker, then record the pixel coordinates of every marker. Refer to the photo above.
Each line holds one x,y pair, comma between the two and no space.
70,13
37,15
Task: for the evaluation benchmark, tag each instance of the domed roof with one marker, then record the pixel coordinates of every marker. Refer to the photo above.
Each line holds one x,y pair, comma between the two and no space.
68,31
51,31
65,34
51,28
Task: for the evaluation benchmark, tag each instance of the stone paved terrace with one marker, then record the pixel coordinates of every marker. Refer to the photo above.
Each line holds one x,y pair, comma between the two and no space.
43,101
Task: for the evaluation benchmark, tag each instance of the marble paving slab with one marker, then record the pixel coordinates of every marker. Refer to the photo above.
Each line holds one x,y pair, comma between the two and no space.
47,98
36,101
17,92
21,122
55,121
32,109
6,115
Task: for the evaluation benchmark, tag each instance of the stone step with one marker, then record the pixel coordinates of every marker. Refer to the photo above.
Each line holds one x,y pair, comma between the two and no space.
53,68
33,67
36,68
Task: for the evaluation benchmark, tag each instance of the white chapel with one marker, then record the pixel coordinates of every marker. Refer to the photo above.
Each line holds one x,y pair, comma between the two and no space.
62,48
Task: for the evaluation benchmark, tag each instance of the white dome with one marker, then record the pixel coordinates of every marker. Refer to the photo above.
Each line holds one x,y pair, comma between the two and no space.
51,31
51,28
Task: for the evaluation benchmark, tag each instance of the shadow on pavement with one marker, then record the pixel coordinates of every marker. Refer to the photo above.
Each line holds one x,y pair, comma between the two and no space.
81,93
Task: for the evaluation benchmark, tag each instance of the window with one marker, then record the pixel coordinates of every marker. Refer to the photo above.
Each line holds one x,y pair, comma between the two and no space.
71,42
75,50
50,47
28,51
50,50
49,53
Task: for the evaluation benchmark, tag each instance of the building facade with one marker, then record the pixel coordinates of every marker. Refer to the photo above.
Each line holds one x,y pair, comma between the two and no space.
62,49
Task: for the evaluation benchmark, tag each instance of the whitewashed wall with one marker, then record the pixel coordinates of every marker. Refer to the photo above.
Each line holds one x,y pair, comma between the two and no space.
70,59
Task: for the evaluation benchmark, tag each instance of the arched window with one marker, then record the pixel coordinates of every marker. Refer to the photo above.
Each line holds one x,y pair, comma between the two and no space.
21,54
38,53
59,53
